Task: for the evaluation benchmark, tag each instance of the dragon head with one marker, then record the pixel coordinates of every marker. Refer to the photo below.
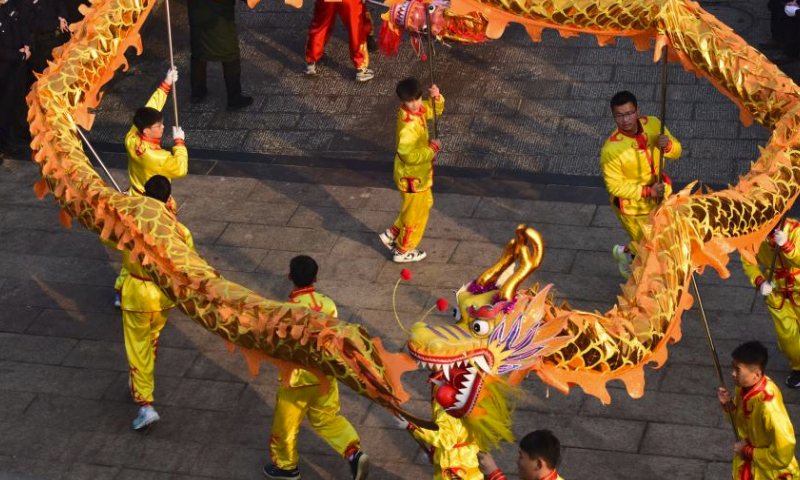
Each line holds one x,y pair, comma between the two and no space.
499,334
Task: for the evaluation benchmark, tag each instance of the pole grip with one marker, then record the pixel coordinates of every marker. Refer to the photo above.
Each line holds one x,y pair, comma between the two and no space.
430,68
172,64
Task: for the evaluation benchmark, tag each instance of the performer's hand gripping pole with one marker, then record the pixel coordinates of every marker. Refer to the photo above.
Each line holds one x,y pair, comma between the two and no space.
172,63
714,355
430,64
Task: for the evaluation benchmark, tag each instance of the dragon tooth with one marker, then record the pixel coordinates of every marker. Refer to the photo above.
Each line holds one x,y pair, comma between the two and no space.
482,363
446,370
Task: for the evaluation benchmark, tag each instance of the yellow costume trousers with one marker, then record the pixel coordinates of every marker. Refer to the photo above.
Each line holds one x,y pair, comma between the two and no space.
413,219
294,403
123,274
787,330
633,227
141,341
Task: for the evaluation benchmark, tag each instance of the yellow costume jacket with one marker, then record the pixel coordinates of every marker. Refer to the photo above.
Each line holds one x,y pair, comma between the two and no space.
452,452
413,162
145,155
139,292
308,297
761,419
630,163
787,268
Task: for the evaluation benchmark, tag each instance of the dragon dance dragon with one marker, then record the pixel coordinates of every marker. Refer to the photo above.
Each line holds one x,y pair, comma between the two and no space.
502,334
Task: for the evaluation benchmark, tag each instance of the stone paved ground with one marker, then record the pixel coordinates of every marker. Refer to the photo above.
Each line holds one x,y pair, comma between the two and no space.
512,105
64,408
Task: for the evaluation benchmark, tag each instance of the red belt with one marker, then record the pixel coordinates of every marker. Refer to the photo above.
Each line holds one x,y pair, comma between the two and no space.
137,277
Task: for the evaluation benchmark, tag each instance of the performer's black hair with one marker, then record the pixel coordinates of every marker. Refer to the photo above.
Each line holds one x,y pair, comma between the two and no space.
146,117
409,89
623,97
158,187
752,353
544,445
303,270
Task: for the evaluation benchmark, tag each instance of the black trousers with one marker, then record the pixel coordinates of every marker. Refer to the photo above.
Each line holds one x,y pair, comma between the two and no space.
13,119
231,72
42,45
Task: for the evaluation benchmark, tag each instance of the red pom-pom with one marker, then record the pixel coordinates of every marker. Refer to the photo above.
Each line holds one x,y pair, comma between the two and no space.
388,39
441,304
446,396
424,57
405,274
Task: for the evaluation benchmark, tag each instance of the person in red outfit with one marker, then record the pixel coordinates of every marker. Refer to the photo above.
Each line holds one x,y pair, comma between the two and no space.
356,21
539,453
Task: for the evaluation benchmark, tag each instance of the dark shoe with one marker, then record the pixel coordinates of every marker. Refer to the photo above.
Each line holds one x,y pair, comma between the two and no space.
359,465
239,103
271,471
793,380
770,45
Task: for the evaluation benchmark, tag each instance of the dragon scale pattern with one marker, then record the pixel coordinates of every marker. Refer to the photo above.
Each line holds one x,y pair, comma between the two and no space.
690,231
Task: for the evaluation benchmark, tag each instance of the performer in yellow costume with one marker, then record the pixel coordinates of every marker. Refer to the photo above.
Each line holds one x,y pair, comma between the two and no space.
539,454
145,155
304,396
144,313
766,447
453,456
413,170
783,292
629,162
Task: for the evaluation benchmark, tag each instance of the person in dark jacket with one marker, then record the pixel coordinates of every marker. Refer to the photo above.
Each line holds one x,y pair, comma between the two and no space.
14,53
48,29
213,35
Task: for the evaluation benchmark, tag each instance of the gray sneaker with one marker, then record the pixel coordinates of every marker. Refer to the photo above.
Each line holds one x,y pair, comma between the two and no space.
311,69
364,75
147,416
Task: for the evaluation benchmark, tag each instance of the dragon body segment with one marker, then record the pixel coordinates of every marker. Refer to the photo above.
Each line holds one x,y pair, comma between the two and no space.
567,347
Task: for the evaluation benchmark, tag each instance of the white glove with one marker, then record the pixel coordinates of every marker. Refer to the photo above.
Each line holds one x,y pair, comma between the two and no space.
780,237
172,76
766,288
401,422
790,10
177,133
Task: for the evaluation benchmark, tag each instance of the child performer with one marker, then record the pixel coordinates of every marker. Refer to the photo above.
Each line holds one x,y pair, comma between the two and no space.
145,155
783,292
629,162
413,170
539,453
766,448
304,397
144,313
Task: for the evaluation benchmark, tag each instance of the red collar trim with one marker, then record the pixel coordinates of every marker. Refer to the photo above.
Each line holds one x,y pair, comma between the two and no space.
638,132
760,387
301,291
155,141
553,475
409,114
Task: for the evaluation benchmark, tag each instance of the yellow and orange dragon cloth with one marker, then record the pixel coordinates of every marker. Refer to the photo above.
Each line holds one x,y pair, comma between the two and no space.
490,345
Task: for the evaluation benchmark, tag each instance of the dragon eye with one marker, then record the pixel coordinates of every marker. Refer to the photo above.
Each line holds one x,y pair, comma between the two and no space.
457,313
480,327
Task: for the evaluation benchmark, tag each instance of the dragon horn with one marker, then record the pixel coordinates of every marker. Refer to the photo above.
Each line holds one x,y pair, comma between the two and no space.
528,262
507,259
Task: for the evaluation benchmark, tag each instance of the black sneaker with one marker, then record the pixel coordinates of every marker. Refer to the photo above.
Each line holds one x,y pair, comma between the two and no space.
793,380
240,103
271,471
359,465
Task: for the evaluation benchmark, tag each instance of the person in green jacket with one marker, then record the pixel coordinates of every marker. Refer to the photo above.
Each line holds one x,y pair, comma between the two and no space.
212,29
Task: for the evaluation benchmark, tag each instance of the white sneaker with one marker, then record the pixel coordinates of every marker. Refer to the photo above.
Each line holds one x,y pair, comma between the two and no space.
388,239
623,259
147,415
311,69
364,75
409,256
117,300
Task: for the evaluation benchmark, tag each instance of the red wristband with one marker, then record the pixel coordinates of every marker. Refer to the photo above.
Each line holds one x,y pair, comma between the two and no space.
179,142
496,475
759,281
434,147
748,451
166,87
668,148
647,191
787,247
